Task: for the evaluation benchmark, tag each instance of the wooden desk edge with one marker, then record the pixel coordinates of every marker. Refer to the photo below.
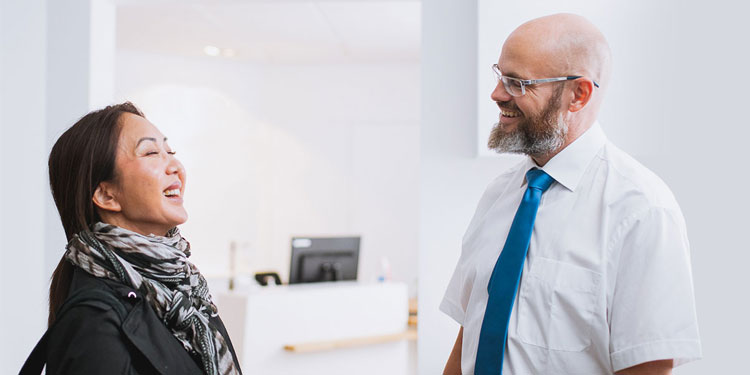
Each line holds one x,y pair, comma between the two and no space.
318,346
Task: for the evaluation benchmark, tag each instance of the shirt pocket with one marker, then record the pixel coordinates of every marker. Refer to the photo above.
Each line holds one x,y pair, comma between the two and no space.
557,305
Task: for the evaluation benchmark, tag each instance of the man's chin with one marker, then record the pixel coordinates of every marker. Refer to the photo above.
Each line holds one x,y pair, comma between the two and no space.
507,125
505,141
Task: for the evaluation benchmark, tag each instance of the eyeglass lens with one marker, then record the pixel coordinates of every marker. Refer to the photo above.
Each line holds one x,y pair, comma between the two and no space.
513,86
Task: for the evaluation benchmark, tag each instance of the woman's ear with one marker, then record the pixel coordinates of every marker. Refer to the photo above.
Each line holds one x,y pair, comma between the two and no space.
105,199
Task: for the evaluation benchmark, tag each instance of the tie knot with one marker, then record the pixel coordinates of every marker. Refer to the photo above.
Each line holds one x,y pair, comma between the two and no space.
539,179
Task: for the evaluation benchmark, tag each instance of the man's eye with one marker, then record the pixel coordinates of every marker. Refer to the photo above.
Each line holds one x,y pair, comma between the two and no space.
171,152
152,153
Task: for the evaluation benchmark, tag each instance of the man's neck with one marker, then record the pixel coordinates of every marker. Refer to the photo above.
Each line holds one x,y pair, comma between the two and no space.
573,134
542,160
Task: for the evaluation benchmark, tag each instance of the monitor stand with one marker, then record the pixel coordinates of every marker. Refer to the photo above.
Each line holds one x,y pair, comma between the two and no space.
333,269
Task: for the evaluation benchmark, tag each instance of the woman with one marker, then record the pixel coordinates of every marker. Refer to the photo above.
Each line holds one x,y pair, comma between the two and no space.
118,188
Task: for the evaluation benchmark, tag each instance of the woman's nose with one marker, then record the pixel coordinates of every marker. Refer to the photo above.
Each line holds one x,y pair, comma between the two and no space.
174,165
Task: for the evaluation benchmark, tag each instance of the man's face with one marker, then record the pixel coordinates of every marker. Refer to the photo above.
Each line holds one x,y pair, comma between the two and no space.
531,124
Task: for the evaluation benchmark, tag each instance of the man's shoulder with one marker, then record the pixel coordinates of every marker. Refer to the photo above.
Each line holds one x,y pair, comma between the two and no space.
633,182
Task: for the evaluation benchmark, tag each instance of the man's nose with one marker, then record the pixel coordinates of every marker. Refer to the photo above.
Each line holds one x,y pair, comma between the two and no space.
500,94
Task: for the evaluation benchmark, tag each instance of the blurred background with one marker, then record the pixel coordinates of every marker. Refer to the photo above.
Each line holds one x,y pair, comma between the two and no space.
293,118
363,119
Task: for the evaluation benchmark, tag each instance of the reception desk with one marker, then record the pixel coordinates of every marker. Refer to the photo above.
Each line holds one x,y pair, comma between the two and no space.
322,328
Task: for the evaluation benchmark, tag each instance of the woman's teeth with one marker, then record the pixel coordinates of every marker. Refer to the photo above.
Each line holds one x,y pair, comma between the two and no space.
172,193
509,113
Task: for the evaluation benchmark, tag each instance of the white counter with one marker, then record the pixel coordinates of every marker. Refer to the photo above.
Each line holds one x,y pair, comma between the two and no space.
311,317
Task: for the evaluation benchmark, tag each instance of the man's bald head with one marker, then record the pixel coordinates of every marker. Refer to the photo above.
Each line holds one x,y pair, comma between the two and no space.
548,117
560,45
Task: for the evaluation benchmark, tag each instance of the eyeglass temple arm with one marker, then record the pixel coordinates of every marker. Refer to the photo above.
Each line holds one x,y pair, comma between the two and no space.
545,80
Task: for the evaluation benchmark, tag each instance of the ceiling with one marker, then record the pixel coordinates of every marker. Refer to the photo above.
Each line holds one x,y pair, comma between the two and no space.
286,32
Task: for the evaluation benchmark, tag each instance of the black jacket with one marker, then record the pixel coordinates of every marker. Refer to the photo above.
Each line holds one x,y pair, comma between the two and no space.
91,338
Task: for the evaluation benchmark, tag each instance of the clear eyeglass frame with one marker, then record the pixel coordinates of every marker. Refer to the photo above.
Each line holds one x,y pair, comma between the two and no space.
517,87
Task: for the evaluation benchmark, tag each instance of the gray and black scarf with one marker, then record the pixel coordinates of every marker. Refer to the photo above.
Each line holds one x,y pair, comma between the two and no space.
173,286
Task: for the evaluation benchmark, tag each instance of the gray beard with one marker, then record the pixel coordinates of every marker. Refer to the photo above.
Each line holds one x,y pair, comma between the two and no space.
535,136
521,142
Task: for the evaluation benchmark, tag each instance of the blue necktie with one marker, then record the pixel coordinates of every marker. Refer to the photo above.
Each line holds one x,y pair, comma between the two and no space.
506,276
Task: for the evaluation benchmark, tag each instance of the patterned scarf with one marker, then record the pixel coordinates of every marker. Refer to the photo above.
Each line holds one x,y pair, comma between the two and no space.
159,268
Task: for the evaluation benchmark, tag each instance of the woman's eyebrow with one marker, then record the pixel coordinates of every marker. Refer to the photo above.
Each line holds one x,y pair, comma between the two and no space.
152,139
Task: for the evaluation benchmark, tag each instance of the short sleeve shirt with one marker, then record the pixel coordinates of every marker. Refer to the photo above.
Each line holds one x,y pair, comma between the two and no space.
607,281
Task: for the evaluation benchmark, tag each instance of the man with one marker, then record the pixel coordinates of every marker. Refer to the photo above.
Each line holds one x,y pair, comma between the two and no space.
577,260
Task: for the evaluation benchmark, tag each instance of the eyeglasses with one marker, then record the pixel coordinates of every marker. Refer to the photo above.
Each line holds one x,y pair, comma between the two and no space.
517,87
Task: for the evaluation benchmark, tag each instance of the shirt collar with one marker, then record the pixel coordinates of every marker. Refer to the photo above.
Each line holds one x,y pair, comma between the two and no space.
568,166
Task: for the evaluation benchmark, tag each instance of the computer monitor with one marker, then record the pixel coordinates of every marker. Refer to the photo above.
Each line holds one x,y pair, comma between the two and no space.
324,259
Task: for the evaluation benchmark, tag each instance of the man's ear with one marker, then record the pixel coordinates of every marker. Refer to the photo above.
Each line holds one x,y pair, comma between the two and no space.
105,199
581,94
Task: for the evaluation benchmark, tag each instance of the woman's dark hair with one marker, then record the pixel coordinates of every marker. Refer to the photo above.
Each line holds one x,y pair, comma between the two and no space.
82,158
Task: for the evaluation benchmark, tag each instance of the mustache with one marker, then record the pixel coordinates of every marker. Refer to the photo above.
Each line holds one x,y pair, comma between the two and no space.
507,105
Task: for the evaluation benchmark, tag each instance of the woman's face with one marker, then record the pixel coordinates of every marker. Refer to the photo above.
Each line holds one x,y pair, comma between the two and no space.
146,193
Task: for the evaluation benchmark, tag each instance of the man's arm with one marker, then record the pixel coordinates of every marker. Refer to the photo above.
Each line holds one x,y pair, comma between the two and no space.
663,367
453,367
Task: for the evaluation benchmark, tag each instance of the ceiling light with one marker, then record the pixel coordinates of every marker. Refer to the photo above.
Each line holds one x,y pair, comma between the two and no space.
211,50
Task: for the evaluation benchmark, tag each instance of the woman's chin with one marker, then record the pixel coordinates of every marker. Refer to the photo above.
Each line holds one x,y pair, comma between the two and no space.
177,216
182,218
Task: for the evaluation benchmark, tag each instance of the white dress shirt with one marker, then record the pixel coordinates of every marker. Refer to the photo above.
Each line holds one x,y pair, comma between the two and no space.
607,282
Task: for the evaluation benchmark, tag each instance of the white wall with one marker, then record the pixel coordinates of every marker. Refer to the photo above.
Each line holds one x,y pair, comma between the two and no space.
47,50
79,68
707,128
23,182
451,178
279,150
700,105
